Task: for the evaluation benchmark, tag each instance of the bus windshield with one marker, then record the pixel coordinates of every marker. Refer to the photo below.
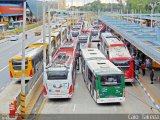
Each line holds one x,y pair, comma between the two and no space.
122,64
75,34
57,75
17,64
110,80
94,33
83,38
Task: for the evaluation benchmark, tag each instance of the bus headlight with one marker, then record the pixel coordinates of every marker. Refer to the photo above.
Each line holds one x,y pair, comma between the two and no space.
97,94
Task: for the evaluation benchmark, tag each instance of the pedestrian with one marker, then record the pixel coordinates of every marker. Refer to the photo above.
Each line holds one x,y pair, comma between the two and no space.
143,67
148,63
98,45
26,36
137,64
152,76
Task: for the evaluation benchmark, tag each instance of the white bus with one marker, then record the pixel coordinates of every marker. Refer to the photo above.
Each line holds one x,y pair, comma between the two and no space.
121,57
103,79
74,33
83,41
61,73
110,41
95,35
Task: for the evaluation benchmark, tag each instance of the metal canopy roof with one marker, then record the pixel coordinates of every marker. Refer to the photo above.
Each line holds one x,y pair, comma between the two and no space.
145,39
144,17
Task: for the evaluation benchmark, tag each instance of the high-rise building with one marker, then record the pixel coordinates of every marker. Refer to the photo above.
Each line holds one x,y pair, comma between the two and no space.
13,9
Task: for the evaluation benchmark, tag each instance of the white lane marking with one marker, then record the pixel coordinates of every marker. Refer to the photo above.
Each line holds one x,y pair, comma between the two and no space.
74,108
76,85
4,68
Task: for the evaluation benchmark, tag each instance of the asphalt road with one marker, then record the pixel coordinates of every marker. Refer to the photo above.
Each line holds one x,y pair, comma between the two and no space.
7,50
82,103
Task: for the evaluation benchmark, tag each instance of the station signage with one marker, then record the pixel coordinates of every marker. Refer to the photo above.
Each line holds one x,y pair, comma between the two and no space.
11,9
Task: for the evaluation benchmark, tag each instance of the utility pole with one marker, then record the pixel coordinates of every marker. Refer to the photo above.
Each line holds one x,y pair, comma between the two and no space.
23,95
49,25
61,33
44,44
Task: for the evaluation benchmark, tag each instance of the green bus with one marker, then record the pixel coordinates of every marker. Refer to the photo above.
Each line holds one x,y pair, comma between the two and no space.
103,79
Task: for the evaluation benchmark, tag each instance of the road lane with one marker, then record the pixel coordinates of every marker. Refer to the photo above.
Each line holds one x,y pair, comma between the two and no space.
82,102
9,49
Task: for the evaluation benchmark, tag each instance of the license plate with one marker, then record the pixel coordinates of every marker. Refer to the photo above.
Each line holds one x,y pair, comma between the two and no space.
57,90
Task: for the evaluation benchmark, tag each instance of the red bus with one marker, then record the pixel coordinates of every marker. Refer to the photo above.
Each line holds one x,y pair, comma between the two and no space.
118,54
61,73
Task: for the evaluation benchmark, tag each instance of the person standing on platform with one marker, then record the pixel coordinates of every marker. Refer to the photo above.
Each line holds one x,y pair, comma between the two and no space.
137,64
143,67
98,45
152,76
148,64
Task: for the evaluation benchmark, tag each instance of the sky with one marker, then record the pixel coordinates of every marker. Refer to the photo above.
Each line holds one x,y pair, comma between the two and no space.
78,2
81,2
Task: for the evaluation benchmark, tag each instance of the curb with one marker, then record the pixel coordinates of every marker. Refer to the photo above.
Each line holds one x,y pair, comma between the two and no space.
3,40
149,95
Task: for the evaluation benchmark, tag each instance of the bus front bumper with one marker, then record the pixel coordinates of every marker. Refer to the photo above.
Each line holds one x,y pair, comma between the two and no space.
111,100
129,80
18,79
59,96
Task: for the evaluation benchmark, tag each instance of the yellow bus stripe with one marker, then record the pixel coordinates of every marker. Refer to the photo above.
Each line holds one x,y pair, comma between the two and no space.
150,91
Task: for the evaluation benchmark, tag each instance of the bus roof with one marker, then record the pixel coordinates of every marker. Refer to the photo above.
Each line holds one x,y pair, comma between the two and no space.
103,67
83,35
41,40
92,53
119,52
53,34
30,52
112,42
69,44
107,35
61,60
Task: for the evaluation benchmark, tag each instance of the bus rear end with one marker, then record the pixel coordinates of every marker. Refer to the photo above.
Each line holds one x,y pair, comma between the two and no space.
127,66
15,65
95,35
58,84
110,88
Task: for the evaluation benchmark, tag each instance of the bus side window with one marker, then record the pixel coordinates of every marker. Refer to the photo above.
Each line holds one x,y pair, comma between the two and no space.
94,82
89,74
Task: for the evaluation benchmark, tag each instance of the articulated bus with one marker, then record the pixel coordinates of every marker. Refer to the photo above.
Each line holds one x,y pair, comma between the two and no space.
61,73
103,79
118,53
109,41
15,62
64,34
40,42
56,36
95,35
74,33
33,63
121,57
83,41
100,25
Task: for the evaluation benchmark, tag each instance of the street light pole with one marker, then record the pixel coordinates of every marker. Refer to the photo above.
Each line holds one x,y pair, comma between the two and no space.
23,62
44,44
152,17
49,25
